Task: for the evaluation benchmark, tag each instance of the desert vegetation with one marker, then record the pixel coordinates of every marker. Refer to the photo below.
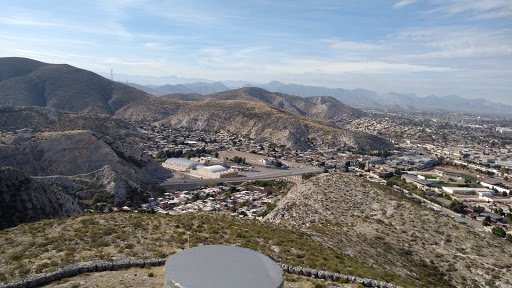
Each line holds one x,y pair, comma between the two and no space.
48,245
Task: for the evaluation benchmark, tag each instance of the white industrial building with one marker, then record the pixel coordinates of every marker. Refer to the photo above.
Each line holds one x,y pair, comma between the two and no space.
197,169
466,190
215,171
500,187
180,164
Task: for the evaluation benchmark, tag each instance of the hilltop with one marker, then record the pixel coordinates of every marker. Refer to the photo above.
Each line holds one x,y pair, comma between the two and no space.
380,227
26,82
320,107
254,120
53,244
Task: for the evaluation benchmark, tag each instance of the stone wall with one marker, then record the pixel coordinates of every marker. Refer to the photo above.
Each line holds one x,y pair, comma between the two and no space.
46,278
308,272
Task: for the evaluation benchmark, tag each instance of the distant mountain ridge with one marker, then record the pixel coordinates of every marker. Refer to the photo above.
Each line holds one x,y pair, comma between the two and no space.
187,88
360,98
66,88
321,107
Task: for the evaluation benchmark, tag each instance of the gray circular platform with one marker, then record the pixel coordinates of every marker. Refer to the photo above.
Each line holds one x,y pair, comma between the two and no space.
219,266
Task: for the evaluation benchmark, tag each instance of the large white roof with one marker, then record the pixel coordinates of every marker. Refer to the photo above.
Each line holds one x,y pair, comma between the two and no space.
182,161
216,168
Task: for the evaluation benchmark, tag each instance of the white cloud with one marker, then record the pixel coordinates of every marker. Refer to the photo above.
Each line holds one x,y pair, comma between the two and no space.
478,9
25,21
151,44
301,66
403,3
455,42
351,45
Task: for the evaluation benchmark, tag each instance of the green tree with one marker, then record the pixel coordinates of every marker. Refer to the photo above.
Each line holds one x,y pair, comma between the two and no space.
308,175
499,232
509,218
457,206
478,209
487,221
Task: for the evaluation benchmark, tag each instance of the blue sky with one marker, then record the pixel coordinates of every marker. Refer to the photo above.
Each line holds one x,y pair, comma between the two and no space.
441,47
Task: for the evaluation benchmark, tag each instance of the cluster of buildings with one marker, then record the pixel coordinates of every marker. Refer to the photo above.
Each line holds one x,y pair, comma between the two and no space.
248,203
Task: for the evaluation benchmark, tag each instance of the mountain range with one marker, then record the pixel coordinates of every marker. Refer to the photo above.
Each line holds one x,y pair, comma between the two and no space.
360,98
27,82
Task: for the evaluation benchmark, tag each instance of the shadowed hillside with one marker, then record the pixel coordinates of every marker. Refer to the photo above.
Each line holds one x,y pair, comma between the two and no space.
25,82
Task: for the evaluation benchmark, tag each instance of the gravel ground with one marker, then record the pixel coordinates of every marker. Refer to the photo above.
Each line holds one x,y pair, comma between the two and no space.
137,277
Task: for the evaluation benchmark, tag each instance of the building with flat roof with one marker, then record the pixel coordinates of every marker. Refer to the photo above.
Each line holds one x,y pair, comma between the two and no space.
215,171
181,164
467,190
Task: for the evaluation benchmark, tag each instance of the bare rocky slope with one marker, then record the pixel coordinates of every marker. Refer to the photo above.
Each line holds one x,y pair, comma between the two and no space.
254,120
26,82
320,107
76,152
28,199
69,143
382,228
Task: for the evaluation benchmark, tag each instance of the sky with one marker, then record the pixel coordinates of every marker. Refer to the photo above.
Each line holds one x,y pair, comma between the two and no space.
425,47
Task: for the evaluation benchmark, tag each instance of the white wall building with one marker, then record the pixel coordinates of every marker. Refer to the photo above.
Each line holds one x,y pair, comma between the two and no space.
180,164
466,190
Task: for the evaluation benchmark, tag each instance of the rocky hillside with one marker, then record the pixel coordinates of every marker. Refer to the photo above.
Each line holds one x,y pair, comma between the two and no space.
51,245
255,120
380,227
320,107
26,82
42,119
28,199
64,143
76,152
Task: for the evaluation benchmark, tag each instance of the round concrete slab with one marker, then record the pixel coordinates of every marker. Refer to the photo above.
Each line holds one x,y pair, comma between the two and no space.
219,266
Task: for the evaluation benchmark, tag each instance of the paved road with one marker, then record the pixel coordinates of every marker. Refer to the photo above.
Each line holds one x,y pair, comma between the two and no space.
261,174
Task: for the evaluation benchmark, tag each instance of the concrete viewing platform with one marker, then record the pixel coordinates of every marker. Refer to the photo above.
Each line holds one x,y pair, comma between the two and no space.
220,266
